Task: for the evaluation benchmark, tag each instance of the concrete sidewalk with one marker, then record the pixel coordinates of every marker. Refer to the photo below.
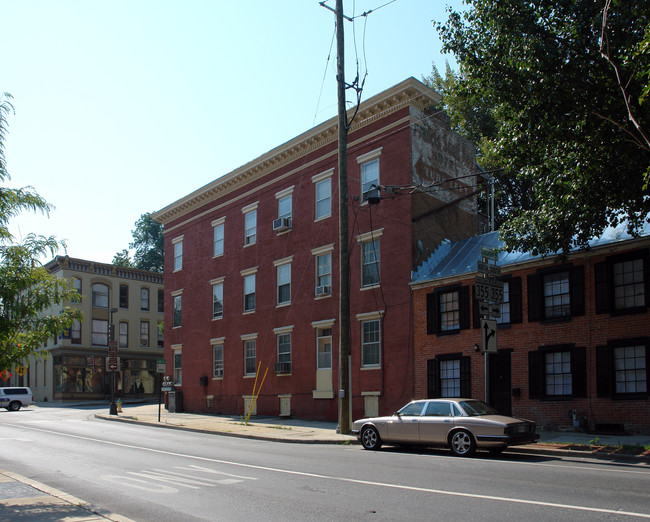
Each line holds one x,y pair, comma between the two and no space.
314,432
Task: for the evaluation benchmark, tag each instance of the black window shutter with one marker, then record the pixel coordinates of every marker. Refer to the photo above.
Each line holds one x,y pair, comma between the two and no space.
603,371
577,289
476,317
514,291
534,374
466,377
534,298
579,371
432,379
601,279
432,313
463,304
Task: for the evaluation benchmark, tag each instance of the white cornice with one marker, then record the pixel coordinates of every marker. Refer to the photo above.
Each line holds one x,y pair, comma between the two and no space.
409,92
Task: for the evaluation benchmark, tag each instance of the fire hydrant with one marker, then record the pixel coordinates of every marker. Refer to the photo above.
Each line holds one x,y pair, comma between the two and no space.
119,405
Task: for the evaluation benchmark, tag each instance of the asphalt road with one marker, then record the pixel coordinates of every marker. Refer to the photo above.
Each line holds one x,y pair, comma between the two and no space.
151,474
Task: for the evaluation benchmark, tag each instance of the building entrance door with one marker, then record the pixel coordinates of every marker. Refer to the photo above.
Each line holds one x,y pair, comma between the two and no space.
500,382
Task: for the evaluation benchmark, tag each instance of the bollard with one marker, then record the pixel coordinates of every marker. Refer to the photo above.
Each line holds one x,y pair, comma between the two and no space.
119,405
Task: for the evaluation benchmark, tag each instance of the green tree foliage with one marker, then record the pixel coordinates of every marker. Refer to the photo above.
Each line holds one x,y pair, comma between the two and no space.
148,242
34,304
562,126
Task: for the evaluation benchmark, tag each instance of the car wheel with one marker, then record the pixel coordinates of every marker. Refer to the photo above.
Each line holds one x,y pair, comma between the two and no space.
462,443
14,406
370,438
496,451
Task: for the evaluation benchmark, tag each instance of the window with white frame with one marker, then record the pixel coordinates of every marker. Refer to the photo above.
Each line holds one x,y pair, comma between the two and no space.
370,257
144,299
324,349
449,378
144,334
178,365
124,334
370,338
75,332
557,298
250,224
177,308
99,334
218,237
369,163
217,358
449,306
284,348
250,354
628,284
217,298
323,194
76,285
630,375
100,295
558,374
323,257
284,207
249,289
178,253
283,270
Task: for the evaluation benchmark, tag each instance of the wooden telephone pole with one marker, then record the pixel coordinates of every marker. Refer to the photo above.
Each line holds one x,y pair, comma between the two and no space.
344,265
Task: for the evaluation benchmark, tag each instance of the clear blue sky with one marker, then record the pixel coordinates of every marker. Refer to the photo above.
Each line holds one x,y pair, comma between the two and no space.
122,107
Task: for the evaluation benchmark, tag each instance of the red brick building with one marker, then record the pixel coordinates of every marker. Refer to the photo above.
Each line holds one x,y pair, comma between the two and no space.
251,263
573,338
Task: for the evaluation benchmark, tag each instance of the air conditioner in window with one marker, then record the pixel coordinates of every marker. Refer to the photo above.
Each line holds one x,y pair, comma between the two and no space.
283,367
281,224
323,290
372,196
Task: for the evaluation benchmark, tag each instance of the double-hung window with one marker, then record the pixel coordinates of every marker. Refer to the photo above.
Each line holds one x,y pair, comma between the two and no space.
249,289
449,375
622,283
177,297
144,299
370,257
217,358
250,355
370,339
557,299
217,298
124,297
557,372
250,224
323,194
369,172
218,237
100,295
324,349
283,337
283,270
556,294
449,378
449,306
323,256
144,334
178,253
124,334
178,364
99,334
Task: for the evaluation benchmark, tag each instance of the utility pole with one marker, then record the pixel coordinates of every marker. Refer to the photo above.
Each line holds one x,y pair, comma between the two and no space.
344,267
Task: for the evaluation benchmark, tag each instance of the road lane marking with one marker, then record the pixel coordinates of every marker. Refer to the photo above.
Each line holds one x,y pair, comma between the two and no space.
572,507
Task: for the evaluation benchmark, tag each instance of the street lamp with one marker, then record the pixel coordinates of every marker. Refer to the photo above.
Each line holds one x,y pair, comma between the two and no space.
111,345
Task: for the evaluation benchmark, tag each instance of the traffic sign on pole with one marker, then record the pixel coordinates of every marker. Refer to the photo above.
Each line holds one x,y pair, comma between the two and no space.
489,335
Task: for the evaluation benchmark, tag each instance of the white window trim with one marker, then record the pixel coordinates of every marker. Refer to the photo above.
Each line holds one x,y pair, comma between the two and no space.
175,241
284,193
325,323
370,236
369,316
249,271
216,223
317,178
322,250
217,340
283,261
283,330
217,281
369,156
249,208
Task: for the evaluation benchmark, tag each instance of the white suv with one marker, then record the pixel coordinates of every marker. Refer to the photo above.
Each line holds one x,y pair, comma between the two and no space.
15,397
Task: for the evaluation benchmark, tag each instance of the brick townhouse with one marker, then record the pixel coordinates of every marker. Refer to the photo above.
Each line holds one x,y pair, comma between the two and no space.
573,337
251,263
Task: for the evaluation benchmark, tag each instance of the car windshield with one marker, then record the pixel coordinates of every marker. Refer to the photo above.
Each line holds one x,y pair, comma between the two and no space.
477,408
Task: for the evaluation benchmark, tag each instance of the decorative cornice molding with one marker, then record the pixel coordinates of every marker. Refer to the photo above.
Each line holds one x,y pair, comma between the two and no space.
410,92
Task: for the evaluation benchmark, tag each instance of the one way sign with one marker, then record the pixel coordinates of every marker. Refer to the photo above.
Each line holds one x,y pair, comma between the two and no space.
489,335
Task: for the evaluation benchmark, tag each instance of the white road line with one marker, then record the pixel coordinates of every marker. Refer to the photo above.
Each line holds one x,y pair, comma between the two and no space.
353,481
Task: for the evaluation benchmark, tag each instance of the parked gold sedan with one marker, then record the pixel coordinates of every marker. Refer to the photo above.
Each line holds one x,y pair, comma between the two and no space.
461,424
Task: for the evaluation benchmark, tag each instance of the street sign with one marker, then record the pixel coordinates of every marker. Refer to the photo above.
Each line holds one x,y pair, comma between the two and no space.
489,290
112,344
489,335
488,269
112,364
160,365
490,253
495,310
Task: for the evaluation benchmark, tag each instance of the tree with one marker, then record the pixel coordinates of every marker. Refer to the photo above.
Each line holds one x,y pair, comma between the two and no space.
148,242
34,304
562,126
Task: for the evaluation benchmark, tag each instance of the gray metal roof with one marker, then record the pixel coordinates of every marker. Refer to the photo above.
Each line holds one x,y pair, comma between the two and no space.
460,257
